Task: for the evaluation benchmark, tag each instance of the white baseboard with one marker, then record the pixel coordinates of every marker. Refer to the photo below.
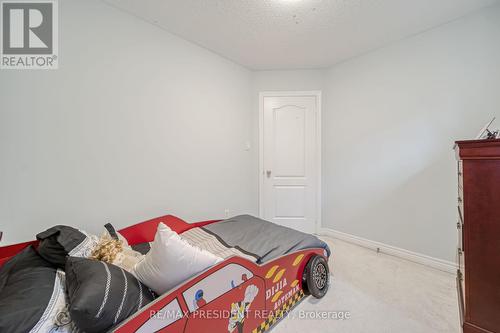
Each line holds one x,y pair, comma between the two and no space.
442,265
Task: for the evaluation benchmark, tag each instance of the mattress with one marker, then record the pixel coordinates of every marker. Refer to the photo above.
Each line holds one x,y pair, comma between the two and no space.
248,236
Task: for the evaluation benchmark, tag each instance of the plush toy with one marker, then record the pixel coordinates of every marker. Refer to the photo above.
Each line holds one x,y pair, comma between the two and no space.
107,249
117,252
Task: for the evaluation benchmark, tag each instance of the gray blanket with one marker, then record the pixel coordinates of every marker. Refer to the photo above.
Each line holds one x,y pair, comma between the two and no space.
262,239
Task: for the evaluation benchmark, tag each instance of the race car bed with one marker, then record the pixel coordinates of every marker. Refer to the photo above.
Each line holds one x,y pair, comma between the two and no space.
266,270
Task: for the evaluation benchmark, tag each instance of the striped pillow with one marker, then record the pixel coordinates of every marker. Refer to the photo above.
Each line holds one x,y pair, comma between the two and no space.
101,295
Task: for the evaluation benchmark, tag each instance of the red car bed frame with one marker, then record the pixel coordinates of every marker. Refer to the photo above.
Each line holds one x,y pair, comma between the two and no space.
245,297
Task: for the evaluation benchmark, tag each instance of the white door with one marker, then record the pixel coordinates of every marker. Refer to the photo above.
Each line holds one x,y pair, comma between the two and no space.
290,160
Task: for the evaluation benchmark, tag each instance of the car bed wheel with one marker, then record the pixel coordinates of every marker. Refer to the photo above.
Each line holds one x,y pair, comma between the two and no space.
316,277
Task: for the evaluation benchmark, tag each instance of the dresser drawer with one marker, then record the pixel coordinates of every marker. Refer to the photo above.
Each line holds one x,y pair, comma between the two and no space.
460,203
460,196
461,273
460,214
460,173
461,262
460,237
460,184
460,230
461,296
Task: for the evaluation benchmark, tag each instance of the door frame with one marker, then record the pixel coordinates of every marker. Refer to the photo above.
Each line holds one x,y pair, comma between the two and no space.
314,93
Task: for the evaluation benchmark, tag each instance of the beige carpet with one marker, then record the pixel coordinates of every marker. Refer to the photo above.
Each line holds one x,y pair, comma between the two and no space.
383,294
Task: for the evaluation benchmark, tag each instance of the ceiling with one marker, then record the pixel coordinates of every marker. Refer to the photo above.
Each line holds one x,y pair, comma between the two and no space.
293,34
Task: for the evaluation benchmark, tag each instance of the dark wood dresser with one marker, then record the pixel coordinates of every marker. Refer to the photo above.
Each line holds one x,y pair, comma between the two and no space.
478,278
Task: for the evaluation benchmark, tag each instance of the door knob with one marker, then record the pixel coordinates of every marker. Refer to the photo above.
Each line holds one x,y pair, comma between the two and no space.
268,173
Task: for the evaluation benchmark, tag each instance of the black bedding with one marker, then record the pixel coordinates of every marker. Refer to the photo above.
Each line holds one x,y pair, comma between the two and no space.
263,239
31,295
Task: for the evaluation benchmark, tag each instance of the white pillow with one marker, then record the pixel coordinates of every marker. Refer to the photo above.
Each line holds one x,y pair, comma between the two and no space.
171,261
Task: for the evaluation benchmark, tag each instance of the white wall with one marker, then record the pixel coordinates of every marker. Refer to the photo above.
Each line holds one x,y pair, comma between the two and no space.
136,123
389,122
307,79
